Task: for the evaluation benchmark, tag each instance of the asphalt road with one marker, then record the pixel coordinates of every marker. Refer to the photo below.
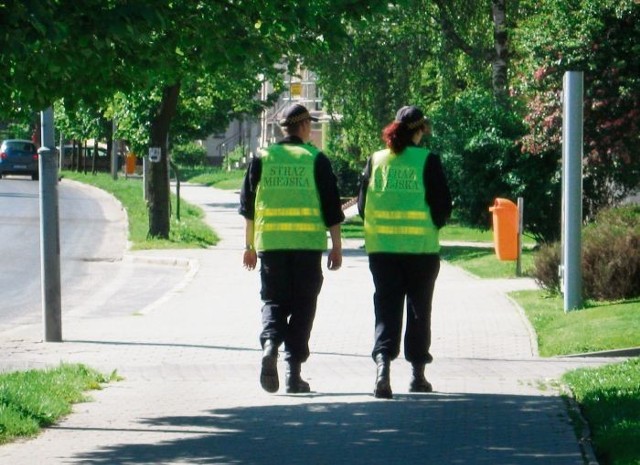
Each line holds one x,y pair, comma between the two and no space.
93,262
19,246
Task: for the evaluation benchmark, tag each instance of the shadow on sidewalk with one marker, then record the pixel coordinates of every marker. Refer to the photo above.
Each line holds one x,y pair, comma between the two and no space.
411,429
233,206
172,345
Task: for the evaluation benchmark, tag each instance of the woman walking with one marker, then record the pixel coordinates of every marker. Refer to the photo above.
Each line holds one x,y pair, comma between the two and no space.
404,200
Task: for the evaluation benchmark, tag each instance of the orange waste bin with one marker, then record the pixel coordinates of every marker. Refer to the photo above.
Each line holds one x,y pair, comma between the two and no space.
505,229
130,163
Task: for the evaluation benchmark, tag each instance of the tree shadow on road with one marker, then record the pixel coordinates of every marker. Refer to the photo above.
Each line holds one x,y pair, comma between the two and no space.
410,429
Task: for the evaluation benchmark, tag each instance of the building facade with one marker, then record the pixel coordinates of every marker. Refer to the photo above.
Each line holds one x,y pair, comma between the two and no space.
243,138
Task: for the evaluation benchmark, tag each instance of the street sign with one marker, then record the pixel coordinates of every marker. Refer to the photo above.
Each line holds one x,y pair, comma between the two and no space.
295,89
154,154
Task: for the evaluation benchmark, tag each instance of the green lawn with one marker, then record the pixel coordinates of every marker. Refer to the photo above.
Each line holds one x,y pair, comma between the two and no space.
30,400
217,177
609,399
477,255
484,263
599,326
453,232
352,228
189,232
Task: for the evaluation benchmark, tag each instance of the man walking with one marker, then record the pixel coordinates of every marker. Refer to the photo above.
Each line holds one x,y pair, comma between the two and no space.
289,199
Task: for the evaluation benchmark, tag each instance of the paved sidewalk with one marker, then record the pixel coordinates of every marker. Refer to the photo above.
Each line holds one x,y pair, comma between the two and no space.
190,361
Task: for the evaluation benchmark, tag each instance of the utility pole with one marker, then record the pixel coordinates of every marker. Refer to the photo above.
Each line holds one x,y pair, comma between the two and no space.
114,152
49,231
572,149
520,233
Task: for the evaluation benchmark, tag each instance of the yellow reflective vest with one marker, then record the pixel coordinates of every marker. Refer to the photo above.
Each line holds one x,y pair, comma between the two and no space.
288,214
397,218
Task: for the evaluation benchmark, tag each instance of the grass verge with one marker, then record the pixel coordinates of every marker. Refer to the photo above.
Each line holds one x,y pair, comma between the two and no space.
190,232
482,261
599,326
218,177
609,398
353,228
479,259
31,400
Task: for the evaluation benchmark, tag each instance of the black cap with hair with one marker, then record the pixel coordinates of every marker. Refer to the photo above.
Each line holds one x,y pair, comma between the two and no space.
412,117
294,114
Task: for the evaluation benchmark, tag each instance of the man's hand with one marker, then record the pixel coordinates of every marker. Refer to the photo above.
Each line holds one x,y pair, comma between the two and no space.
334,261
249,259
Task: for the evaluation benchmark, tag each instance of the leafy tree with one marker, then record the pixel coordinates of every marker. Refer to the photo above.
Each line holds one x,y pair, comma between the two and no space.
153,51
456,58
81,124
190,154
255,36
477,140
474,35
378,69
434,54
53,49
600,38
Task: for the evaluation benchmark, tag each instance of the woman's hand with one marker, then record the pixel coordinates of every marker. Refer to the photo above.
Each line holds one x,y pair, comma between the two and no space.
249,259
334,261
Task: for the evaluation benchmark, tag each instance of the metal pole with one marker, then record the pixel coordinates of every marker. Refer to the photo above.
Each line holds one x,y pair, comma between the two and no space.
520,231
49,232
61,152
146,170
572,146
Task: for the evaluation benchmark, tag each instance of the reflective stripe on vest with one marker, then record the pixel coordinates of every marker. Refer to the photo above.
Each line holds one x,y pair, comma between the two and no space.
397,217
288,214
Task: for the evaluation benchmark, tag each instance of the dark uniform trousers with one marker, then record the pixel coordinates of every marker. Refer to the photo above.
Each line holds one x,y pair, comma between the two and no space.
395,276
291,283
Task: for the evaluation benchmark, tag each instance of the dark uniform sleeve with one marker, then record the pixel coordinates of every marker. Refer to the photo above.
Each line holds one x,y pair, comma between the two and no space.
249,187
362,191
327,184
438,196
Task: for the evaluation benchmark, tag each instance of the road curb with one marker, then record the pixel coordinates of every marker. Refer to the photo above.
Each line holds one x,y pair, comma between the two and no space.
166,261
584,435
192,266
617,353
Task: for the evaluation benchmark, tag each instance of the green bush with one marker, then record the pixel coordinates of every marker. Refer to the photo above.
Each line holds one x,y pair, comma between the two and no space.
545,267
237,154
190,154
347,175
611,254
610,257
14,130
478,142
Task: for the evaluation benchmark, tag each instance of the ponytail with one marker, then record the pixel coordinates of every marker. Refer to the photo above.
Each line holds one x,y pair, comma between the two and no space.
397,136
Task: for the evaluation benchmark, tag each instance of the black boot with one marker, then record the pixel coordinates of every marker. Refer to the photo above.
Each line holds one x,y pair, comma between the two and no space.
418,382
295,384
269,373
382,389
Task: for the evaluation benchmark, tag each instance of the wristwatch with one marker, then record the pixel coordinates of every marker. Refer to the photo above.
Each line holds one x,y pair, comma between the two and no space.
248,247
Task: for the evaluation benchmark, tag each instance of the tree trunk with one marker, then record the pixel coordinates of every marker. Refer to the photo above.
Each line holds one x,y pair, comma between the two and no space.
158,200
94,158
74,156
501,59
109,132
